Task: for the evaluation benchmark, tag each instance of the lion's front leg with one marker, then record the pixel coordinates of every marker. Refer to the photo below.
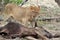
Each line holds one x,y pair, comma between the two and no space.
33,23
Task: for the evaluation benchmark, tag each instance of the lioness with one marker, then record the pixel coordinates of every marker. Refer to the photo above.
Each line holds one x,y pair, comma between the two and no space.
21,14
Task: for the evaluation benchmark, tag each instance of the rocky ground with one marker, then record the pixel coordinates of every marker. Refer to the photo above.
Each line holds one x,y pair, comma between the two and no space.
49,10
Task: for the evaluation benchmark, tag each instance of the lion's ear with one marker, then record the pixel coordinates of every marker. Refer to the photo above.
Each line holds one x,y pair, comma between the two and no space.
35,8
32,8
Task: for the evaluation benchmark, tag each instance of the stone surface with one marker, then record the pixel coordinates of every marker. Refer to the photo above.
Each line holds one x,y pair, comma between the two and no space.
49,9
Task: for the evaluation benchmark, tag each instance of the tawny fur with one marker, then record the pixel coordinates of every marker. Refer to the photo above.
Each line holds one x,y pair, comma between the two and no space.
22,14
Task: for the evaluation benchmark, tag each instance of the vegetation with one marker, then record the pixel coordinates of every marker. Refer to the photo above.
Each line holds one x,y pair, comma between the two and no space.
11,1
15,1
